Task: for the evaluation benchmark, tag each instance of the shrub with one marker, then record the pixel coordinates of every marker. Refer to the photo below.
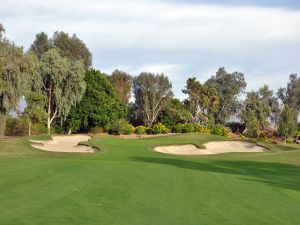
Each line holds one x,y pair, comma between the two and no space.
39,128
190,127
159,128
187,128
197,127
272,141
201,129
149,130
127,129
116,127
177,128
96,130
56,129
276,133
16,126
298,135
236,127
262,136
220,130
10,126
140,130
251,132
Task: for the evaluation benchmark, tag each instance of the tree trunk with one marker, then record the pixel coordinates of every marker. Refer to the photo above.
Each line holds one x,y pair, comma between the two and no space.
29,127
285,141
2,124
48,126
49,110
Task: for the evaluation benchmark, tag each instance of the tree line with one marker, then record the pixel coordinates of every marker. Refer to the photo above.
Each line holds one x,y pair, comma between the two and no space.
64,93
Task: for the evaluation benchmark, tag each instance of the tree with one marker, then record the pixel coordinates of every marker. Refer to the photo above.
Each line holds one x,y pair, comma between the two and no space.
14,66
174,113
290,96
122,83
63,84
202,101
263,105
270,103
229,87
251,122
99,106
41,44
34,111
2,31
152,93
288,122
70,47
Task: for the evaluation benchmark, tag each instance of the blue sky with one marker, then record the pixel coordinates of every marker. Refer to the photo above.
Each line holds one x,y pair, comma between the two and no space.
179,38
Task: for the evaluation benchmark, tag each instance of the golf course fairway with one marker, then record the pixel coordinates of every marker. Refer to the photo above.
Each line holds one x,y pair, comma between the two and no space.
127,183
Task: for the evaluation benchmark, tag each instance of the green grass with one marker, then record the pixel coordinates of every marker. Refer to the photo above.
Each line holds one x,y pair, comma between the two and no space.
128,183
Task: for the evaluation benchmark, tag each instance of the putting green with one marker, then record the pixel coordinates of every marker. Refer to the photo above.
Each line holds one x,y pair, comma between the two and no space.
127,183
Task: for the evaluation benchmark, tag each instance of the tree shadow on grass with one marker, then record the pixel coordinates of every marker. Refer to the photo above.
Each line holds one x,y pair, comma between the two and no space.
275,174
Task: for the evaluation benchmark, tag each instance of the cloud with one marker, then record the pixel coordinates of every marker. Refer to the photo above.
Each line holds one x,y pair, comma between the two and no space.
179,39
155,24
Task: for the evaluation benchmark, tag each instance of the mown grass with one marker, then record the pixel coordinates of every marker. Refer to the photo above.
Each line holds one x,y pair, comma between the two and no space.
128,183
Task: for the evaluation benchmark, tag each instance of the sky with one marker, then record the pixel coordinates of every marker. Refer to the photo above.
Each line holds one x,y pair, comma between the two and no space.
179,38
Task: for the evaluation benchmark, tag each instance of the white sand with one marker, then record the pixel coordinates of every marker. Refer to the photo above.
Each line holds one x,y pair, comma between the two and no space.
217,147
64,144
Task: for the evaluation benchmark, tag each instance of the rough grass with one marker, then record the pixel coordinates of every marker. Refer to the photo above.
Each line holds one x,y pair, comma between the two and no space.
128,183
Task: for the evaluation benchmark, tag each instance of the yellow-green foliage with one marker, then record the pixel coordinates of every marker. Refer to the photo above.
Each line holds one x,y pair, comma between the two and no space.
96,130
202,129
159,128
189,127
220,130
261,136
127,129
140,130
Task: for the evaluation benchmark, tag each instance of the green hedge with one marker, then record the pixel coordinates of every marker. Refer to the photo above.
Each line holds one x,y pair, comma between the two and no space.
189,127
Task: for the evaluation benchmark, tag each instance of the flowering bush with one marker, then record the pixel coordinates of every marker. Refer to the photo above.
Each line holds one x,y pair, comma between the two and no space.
127,129
201,129
140,130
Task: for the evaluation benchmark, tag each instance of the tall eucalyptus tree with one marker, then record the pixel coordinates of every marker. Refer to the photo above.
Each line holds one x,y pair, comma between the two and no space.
14,68
63,84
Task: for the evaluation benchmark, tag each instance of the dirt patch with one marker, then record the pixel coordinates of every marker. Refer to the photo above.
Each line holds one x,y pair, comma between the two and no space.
211,148
64,144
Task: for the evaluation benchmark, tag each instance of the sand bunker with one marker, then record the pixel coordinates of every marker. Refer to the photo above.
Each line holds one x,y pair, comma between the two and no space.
64,144
211,148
